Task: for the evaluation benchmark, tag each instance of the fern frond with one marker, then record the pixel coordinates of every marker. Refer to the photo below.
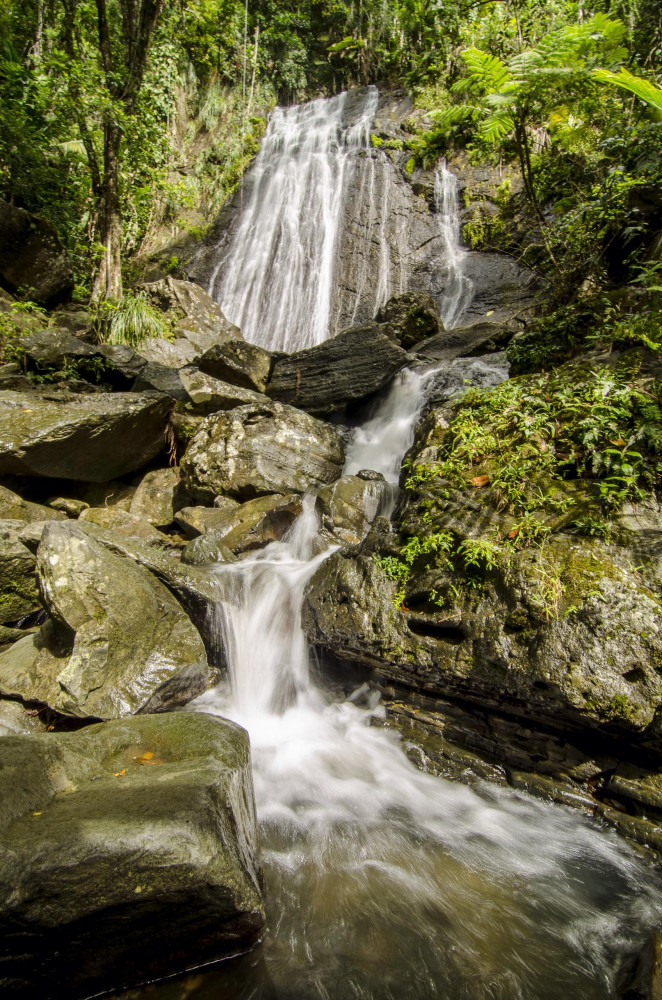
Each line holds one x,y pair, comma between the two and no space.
486,71
643,89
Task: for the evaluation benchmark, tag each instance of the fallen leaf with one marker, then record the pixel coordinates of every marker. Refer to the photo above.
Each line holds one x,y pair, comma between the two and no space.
36,814
480,480
144,758
514,533
619,442
118,774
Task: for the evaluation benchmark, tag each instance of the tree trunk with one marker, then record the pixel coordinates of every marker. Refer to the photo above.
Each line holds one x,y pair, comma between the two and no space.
108,282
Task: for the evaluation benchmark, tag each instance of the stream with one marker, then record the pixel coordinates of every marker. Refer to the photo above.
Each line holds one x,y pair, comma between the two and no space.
381,882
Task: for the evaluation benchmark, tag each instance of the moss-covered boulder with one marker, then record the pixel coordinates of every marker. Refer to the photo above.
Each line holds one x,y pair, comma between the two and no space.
119,643
409,318
196,318
129,853
239,363
260,449
14,507
160,494
33,262
92,437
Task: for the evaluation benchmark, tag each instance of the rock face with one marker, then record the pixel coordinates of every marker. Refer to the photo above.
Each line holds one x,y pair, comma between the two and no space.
254,450
33,262
129,852
595,668
120,643
349,506
197,318
239,363
342,370
90,437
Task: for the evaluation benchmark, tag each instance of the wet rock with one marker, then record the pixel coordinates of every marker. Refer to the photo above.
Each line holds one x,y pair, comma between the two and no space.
339,371
14,507
239,363
124,523
253,450
410,318
92,437
348,507
159,496
197,318
19,593
209,395
33,262
119,644
129,853
250,525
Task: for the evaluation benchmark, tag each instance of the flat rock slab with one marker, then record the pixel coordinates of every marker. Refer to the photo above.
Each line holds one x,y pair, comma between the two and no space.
465,341
268,448
342,370
128,853
120,643
92,437
208,395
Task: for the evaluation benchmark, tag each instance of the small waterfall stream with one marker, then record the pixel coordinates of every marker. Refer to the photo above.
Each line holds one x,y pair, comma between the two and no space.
382,882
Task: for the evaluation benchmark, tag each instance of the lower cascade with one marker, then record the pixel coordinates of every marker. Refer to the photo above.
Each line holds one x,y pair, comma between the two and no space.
385,882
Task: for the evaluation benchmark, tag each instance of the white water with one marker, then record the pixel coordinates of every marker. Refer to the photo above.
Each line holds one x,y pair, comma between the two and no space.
276,281
458,288
382,882
385,882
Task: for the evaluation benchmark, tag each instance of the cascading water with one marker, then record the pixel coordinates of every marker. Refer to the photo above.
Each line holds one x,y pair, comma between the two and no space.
276,280
458,288
382,882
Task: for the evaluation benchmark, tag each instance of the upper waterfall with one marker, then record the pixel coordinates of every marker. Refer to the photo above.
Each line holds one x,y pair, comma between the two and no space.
327,227
275,282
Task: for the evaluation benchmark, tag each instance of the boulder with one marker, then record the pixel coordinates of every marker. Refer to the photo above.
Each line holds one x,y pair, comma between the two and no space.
119,644
19,593
173,354
254,450
195,589
33,262
409,318
66,505
208,395
249,526
124,523
160,378
14,507
348,507
159,496
239,363
196,317
90,437
339,371
111,494
129,853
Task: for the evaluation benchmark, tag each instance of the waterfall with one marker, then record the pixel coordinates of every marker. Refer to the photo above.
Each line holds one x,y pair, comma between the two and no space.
381,881
458,288
275,282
